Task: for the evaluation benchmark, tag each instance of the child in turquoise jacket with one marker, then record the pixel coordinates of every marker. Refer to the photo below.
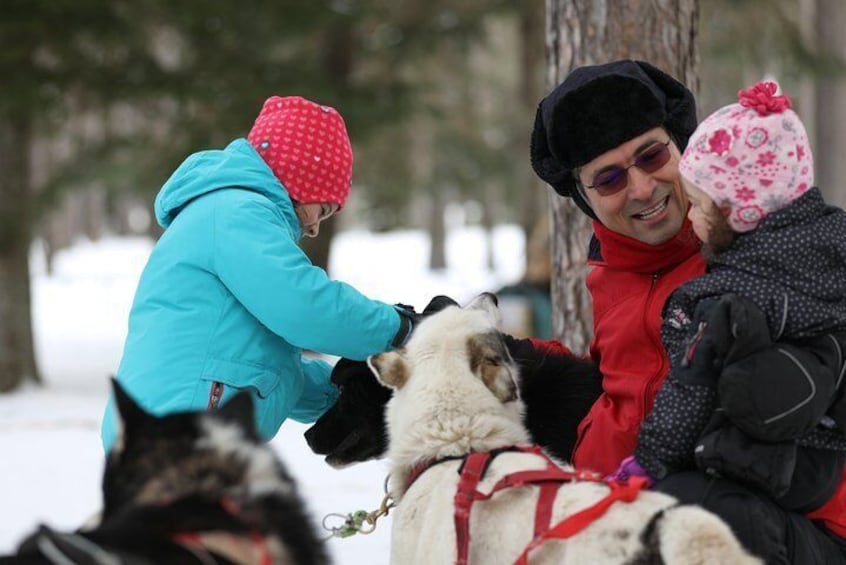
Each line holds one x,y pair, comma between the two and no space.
228,301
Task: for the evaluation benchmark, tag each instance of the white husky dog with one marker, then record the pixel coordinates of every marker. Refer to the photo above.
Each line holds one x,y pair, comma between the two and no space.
455,394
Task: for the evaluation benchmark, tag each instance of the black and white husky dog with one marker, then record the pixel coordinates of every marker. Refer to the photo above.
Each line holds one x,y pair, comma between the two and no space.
191,487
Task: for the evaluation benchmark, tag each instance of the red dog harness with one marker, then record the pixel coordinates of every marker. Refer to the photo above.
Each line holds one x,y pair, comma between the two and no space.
234,546
549,480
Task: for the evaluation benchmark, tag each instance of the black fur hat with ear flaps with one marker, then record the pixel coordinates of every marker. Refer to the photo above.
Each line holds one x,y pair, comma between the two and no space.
599,107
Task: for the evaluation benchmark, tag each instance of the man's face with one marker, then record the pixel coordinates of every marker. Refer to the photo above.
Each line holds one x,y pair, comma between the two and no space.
652,206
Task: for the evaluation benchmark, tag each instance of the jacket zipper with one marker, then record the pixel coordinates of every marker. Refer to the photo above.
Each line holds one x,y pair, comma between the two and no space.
650,383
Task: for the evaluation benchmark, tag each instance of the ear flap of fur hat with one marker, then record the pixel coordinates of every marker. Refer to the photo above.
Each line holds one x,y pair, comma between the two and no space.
599,107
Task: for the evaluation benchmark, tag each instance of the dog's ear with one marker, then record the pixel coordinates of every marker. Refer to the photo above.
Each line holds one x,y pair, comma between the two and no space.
490,361
240,410
130,413
390,368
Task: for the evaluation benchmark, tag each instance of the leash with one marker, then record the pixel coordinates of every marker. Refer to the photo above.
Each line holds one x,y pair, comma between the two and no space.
354,522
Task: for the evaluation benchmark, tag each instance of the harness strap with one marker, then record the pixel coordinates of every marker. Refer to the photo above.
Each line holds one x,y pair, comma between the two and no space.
473,470
549,480
226,544
465,495
543,509
623,491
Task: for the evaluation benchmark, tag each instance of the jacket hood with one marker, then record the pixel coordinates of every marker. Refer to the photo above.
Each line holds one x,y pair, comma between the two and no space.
236,166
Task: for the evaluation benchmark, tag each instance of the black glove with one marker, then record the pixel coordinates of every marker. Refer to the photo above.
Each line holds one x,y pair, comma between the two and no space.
410,319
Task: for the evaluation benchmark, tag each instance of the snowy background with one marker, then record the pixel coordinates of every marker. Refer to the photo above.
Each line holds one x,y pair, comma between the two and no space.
50,454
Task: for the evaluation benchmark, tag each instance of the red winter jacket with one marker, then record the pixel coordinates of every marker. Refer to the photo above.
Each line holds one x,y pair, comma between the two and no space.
629,284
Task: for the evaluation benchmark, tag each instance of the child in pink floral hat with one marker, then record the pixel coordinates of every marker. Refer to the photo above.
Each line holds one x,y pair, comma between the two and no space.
756,344
751,158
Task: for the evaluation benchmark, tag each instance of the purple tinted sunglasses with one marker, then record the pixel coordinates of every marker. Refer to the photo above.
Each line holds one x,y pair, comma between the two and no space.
614,179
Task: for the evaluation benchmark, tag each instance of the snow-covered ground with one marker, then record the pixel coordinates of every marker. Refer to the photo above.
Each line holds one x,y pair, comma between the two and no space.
50,454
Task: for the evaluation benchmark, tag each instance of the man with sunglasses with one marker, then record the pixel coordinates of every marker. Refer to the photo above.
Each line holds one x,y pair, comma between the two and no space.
610,137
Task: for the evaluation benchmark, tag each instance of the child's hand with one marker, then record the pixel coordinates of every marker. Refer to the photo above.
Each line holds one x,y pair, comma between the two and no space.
630,468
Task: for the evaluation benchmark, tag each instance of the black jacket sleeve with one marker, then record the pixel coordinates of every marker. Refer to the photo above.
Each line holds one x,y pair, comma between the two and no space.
668,436
782,392
685,402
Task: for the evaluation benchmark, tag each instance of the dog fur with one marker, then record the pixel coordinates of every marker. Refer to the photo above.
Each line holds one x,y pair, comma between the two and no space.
557,391
455,393
191,487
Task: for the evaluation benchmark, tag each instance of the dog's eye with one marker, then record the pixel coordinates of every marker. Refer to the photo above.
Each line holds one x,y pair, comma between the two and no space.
493,360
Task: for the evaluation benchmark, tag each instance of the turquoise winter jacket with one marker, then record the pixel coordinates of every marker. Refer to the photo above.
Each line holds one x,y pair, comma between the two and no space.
228,298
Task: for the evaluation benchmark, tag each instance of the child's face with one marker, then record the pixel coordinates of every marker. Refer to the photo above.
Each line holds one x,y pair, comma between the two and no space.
311,214
702,212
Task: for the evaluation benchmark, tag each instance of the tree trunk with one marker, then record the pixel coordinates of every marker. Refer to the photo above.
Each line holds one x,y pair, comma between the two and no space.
582,32
437,229
533,201
17,354
831,104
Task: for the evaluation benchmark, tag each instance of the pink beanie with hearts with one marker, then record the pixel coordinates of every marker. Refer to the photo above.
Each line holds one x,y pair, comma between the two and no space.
752,158
307,147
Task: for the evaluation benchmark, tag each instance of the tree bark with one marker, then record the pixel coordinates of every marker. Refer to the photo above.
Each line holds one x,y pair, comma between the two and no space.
17,353
830,103
533,202
583,32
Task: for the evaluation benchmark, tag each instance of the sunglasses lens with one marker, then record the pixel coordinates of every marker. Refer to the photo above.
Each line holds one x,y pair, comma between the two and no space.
611,181
653,158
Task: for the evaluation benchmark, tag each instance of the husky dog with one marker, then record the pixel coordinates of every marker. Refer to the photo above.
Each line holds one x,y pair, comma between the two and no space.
191,487
455,394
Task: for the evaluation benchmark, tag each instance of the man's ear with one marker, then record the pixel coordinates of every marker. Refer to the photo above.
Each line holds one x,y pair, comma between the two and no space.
390,368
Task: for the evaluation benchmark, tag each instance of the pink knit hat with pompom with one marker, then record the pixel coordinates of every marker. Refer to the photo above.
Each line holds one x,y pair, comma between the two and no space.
752,157
307,147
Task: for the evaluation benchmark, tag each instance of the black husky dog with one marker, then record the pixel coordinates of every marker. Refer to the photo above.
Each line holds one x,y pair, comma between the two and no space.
187,488
557,390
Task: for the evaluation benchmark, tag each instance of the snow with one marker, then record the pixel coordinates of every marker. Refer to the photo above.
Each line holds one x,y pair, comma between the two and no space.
52,464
